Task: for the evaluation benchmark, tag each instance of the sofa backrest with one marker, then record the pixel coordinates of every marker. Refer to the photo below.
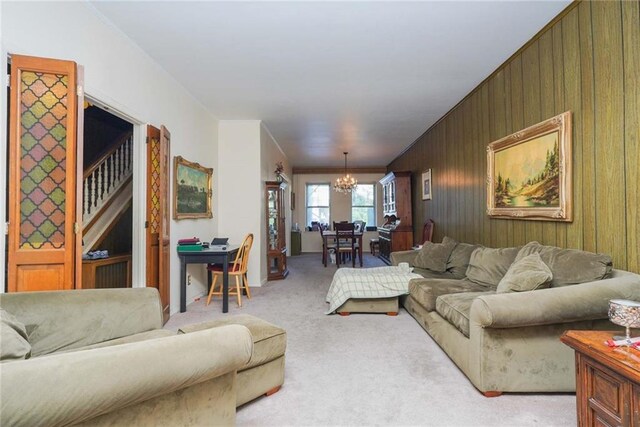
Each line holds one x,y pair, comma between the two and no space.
488,265
64,320
459,259
570,266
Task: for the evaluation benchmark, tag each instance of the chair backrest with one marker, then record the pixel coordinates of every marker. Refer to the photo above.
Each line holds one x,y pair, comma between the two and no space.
345,233
427,230
242,259
359,225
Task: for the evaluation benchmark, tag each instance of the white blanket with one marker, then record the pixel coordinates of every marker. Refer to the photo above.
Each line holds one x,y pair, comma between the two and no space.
378,282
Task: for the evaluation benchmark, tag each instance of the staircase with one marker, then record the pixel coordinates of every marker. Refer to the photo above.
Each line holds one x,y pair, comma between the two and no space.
107,192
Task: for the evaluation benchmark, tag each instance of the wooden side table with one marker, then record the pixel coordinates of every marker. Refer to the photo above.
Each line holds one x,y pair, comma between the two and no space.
607,380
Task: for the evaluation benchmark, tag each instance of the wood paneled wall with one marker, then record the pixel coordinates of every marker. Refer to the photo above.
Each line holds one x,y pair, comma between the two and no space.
588,62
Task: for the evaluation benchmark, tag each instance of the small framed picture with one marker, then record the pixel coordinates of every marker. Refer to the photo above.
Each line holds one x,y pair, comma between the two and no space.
426,185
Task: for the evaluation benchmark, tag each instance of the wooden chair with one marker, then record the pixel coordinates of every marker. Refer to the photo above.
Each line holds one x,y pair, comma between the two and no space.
325,250
238,270
427,230
345,241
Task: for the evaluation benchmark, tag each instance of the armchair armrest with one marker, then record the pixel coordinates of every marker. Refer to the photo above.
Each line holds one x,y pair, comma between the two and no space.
77,386
586,301
403,256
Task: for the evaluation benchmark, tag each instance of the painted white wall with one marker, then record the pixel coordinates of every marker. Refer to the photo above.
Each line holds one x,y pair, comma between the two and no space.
270,154
340,206
119,74
240,196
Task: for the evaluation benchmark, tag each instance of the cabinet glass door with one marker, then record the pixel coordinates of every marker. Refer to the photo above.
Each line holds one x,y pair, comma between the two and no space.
272,207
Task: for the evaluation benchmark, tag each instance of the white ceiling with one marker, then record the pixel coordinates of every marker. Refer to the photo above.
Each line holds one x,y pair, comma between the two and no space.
328,77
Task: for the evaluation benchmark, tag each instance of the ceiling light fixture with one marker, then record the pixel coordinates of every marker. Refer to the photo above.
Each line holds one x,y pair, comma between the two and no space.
347,183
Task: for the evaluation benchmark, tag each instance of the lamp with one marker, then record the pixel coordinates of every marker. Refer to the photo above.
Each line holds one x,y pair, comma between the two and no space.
347,183
625,313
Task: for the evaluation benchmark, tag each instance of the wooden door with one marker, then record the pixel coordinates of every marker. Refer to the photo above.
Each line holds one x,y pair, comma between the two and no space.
157,225
43,222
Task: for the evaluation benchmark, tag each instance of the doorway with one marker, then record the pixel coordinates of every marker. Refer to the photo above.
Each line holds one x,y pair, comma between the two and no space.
107,199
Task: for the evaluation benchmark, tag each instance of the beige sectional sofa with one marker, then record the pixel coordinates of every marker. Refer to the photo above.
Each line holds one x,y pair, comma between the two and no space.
509,341
101,357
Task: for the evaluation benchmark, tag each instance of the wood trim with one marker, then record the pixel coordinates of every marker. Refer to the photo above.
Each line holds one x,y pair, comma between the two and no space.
352,171
79,180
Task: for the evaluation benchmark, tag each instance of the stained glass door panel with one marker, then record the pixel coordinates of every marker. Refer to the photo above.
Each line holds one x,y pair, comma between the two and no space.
157,235
42,180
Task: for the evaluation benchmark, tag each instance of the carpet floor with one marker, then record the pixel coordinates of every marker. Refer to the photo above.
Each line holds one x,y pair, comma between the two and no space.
366,369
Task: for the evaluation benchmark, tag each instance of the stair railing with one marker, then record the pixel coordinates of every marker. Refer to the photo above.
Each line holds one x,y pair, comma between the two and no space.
105,177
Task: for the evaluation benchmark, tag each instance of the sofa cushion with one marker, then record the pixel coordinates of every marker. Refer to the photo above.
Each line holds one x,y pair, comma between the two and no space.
434,256
14,343
426,291
459,259
455,308
487,266
526,274
570,266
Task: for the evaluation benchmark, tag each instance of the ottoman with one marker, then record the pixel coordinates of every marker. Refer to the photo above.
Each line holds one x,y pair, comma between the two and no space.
264,374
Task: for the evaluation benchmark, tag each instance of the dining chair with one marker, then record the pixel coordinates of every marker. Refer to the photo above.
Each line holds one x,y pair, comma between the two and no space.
427,230
238,270
345,241
326,245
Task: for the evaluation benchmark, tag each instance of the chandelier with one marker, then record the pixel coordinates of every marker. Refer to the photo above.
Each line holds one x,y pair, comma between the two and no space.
347,183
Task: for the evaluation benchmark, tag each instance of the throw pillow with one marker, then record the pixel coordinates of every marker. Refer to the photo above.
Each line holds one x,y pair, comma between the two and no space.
13,336
487,266
570,266
527,274
434,256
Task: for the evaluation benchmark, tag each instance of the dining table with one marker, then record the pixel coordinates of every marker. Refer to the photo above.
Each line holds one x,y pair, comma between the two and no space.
326,235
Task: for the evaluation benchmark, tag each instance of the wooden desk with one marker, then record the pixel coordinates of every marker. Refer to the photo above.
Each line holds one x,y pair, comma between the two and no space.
607,380
207,256
332,234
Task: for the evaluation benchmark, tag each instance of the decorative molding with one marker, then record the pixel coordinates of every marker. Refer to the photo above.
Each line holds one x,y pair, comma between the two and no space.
323,170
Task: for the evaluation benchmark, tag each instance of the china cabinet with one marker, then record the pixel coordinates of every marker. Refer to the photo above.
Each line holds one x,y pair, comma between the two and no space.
276,241
397,234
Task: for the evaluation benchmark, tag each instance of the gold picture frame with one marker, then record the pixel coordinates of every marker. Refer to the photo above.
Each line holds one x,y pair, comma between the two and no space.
192,192
529,173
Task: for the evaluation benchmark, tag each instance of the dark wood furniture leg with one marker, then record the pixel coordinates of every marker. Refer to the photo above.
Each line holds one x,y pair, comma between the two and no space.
183,285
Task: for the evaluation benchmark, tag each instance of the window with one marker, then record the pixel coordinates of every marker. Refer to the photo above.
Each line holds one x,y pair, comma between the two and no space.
363,204
318,203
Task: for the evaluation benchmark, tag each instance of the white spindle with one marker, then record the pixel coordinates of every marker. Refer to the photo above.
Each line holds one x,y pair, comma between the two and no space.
118,164
100,195
85,196
94,199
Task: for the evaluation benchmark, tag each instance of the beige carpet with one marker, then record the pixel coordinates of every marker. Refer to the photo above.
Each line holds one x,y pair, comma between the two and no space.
367,369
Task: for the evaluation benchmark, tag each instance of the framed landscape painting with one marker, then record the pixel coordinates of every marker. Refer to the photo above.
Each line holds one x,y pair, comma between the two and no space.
529,172
192,189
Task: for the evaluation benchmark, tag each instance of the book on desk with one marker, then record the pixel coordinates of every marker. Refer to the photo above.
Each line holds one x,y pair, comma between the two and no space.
192,244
